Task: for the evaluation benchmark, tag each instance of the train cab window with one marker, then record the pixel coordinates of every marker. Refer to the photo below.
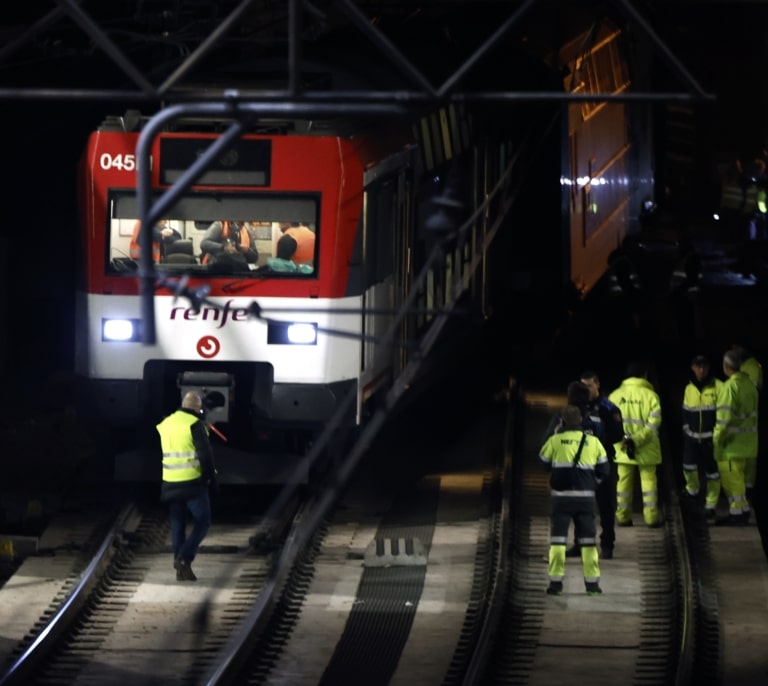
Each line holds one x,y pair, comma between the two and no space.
246,234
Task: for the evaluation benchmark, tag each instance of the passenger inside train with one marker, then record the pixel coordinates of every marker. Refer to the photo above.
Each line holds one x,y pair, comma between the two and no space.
284,261
229,244
163,236
275,248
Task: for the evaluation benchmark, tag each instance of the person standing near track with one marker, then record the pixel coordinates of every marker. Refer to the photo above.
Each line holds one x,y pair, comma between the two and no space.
599,418
578,464
188,471
606,417
735,436
699,409
751,366
640,449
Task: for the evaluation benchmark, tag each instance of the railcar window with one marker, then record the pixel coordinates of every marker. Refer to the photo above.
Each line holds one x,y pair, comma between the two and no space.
220,233
603,71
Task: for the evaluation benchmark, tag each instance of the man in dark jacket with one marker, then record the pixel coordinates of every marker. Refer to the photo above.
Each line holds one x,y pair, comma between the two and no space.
188,470
606,417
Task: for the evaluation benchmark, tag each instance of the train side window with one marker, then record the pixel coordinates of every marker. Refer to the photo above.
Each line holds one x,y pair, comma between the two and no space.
120,234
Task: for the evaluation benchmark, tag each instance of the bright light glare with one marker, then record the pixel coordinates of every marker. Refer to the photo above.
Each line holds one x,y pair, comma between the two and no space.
302,333
118,330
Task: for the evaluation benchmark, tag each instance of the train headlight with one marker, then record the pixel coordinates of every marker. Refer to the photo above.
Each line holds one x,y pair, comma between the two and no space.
120,330
292,333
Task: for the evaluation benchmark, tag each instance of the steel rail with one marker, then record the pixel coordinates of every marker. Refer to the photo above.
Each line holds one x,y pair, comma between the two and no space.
59,622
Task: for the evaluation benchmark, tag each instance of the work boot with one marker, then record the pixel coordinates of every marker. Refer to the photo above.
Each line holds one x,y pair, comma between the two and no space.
733,520
184,571
555,588
593,588
573,551
606,552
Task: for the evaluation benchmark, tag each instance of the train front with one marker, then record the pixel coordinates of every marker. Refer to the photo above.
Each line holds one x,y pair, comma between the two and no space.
272,223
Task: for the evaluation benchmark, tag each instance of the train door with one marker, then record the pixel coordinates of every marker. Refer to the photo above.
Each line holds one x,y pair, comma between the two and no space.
385,254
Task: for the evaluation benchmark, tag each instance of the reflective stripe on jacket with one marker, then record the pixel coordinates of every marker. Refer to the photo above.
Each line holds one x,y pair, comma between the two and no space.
699,405
559,452
735,434
732,196
180,461
641,415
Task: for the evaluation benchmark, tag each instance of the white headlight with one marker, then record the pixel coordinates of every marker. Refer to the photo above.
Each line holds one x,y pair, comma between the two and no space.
117,330
302,333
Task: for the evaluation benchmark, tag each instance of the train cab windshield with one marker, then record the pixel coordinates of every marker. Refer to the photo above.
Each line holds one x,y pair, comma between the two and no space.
249,235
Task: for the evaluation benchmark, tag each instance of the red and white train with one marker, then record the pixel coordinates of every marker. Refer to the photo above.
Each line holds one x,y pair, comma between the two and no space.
272,383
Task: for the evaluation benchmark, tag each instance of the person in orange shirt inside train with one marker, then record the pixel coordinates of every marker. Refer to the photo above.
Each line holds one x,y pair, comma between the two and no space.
305,241
162,235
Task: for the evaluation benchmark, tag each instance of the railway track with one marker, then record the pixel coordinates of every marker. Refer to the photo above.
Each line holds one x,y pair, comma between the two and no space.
432,571
127,619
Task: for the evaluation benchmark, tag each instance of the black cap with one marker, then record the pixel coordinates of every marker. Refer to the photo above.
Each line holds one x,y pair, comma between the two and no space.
700,360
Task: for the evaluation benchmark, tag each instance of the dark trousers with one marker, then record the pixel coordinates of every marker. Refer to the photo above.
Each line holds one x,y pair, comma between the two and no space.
199,509
605,495
580,511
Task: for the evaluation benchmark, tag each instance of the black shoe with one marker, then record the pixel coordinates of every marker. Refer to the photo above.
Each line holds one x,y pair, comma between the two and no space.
555,588
593,588
184,571
733,520
629,522
606,553
573,551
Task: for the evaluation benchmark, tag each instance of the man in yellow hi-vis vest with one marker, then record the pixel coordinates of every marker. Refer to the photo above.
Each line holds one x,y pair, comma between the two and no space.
735,436
641,449
578,463
188,471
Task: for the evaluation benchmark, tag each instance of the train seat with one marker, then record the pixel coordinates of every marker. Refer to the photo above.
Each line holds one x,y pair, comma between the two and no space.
180,252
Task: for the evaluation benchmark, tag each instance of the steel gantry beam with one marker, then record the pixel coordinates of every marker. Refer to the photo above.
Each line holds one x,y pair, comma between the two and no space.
417,89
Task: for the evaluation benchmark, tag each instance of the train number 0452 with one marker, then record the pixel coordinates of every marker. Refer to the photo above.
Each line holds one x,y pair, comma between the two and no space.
119,161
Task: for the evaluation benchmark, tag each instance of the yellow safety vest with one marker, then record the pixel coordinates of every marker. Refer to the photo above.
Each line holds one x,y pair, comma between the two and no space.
641,414
180,461
750,200
735,433
731,196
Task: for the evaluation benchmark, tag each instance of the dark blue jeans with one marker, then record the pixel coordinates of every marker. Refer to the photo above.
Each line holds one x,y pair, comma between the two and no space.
199,508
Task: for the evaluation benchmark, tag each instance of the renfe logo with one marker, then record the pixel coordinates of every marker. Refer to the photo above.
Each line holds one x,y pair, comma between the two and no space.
213,314
208,347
